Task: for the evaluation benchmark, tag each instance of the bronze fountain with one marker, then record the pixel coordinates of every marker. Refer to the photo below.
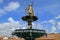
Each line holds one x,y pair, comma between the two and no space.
29,33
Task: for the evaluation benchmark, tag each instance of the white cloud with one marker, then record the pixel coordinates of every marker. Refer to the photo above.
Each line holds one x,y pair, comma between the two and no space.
7,27
47,31
37,26
58,25
40,26
57,17
11,25
11,20
53,30
52,21
24,28
12,6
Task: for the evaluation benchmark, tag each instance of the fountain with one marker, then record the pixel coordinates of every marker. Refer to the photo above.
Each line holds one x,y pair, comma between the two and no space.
29,33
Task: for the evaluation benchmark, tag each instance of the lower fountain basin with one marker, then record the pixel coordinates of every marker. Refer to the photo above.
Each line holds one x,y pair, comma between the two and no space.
29,33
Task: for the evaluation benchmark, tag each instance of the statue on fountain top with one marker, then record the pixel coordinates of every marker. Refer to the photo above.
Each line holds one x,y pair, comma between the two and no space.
30,11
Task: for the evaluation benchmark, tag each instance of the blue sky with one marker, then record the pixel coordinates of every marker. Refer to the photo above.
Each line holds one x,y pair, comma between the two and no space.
47,11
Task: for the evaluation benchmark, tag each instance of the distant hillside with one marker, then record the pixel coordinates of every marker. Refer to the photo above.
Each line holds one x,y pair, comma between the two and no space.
51,36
